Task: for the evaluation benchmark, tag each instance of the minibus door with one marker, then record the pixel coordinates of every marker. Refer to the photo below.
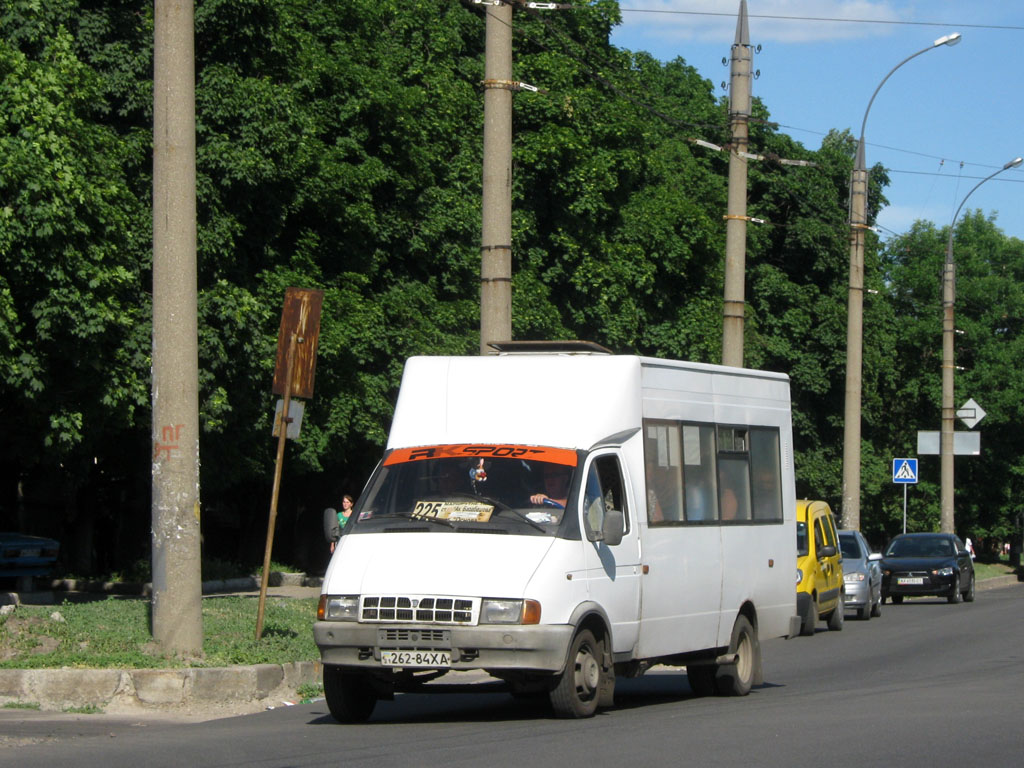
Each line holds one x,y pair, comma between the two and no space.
612,569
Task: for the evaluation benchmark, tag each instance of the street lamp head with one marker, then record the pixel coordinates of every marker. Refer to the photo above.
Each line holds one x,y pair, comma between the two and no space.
952,39
1014,163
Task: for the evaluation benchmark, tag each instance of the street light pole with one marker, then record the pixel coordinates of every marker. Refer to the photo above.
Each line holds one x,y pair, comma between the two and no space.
947,520
855,309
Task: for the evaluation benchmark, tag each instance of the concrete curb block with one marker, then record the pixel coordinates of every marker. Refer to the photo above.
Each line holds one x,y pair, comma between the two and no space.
128,689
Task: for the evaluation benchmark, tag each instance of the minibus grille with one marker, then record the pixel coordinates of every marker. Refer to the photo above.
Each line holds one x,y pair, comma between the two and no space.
389,637
419,609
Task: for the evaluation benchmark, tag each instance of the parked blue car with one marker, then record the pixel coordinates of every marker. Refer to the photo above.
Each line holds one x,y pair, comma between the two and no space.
23,557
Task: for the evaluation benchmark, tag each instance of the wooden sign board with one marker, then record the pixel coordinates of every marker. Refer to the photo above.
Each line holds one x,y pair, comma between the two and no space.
300,319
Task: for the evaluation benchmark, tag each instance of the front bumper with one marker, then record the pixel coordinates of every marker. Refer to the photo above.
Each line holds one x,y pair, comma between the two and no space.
930,585
491,647
858,593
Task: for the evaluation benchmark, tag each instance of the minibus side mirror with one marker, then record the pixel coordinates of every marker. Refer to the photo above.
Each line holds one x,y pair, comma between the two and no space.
827,551
613,527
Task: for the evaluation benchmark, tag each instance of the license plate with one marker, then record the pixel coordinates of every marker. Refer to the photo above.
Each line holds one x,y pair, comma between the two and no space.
910,580
31,552
416,658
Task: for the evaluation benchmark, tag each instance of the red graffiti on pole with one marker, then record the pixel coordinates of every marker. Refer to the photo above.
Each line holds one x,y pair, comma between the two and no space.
170,435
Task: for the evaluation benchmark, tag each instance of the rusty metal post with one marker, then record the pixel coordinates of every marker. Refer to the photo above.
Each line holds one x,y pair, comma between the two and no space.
278,464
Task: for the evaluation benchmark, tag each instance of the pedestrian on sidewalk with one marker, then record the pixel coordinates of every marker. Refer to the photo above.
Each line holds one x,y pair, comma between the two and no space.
335,520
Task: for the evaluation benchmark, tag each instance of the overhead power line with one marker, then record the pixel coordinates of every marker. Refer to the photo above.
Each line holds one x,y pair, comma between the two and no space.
948,176
894,22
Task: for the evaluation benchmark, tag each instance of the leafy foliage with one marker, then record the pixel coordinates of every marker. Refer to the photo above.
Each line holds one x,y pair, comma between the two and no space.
339,147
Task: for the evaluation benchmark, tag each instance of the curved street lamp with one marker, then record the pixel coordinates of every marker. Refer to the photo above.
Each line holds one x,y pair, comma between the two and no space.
948,333
855,309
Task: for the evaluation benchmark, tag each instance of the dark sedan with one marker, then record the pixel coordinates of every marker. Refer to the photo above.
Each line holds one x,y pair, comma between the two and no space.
927,564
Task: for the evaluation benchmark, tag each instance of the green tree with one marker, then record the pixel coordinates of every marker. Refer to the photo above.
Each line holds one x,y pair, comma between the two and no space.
73,346
988,307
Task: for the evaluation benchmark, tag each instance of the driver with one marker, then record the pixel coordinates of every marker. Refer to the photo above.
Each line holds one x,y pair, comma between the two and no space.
450,481
556,487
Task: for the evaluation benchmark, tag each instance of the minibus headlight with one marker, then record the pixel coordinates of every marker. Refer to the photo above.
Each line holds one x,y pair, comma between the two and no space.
799,575
494,611
338,608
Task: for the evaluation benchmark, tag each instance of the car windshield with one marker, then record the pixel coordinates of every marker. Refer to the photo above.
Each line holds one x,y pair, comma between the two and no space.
484,488
930,546
850,547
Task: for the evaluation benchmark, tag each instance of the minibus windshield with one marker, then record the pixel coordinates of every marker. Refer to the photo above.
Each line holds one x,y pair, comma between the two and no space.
486,488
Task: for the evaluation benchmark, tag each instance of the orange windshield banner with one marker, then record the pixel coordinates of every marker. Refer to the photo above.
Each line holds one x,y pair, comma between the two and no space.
483,451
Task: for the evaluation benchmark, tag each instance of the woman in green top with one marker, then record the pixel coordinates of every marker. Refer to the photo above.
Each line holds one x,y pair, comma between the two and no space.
335,520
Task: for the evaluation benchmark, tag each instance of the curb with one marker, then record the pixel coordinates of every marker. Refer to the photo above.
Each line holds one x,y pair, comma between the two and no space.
115,690
996,582
161,689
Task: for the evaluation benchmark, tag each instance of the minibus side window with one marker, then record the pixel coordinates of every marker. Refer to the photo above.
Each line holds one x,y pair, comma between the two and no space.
663,471
766,471
733,473
699,471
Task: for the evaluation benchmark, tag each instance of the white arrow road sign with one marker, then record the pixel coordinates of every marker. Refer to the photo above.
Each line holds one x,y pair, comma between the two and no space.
970,413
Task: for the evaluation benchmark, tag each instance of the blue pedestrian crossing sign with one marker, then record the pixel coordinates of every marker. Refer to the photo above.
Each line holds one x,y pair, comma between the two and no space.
904,470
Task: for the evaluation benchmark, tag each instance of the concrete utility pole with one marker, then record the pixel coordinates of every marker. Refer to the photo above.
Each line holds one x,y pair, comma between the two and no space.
855,310
947,519
177,586
736,215
496,234
854,343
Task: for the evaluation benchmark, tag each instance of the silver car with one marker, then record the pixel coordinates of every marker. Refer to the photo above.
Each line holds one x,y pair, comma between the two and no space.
862,573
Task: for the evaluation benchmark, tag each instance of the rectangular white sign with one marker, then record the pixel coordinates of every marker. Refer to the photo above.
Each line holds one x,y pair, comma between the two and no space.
964,443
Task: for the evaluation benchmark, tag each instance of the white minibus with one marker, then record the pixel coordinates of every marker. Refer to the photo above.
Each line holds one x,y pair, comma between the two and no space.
558,516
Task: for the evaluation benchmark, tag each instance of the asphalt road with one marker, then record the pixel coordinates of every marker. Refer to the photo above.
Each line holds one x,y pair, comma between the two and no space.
926,684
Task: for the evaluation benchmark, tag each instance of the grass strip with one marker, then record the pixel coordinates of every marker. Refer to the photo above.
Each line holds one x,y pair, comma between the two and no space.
115,634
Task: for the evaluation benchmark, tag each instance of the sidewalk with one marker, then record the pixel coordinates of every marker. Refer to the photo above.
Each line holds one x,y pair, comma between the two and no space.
194,692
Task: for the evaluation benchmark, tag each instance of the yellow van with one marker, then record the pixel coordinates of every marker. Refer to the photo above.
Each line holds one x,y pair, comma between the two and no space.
819,567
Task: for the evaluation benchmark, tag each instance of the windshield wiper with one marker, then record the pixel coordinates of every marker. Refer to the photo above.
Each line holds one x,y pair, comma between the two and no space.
524,518
435,520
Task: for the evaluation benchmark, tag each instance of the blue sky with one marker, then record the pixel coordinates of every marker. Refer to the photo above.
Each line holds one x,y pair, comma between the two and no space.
941,123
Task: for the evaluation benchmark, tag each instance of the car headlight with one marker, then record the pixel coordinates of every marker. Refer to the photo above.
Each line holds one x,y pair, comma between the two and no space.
799,575
495,611
947,571
338,608
850,578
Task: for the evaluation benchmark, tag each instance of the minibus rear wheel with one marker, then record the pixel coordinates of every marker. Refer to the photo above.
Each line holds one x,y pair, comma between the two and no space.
576,693
350,696
737,679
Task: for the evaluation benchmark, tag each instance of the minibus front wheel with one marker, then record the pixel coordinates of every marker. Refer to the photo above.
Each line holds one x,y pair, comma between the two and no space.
577,692
351,696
